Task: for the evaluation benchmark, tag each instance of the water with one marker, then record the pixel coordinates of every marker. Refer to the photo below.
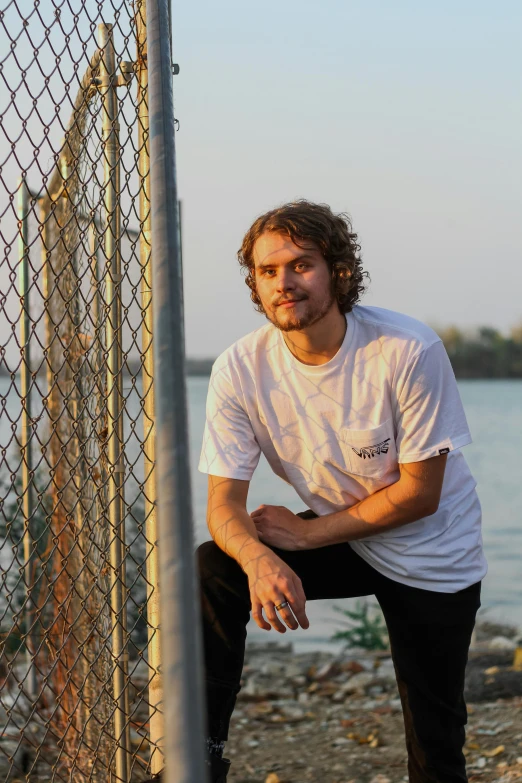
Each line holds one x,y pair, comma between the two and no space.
494,414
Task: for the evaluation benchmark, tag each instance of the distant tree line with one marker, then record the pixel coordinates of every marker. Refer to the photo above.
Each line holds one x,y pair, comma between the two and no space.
199,366
485,353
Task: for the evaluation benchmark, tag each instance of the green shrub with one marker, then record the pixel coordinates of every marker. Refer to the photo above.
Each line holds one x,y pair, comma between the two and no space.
366,627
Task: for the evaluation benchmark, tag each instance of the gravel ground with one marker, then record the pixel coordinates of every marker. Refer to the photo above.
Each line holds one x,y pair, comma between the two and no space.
316,717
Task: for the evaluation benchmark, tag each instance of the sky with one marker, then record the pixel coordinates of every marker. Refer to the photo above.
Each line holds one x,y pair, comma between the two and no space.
406,115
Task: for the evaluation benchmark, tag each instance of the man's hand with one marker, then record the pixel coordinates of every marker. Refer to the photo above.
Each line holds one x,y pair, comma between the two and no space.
272,581
277,526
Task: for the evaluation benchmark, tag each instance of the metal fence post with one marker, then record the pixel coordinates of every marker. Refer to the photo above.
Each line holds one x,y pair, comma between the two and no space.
180,627
96,264
149,434
26,429
115,405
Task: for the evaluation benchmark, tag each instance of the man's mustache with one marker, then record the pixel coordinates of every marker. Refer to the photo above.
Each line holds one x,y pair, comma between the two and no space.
290,299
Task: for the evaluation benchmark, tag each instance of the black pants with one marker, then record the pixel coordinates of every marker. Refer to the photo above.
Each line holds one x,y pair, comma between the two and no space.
429,634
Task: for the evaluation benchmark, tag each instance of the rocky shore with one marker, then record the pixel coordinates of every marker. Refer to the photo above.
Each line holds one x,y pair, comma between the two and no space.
337,718
315,717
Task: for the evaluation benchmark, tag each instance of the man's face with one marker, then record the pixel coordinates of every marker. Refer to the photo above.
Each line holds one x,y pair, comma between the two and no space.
293,282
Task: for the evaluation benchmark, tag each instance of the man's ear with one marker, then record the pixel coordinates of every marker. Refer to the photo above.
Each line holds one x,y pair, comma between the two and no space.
342,276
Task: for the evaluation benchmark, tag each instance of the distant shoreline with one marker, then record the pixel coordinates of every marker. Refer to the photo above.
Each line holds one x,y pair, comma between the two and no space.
202,368
199,367
195,368
482,355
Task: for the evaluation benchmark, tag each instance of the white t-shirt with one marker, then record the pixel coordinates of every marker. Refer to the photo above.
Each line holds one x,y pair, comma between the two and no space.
337,432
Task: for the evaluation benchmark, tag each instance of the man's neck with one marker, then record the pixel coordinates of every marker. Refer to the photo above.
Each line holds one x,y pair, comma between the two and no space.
320,342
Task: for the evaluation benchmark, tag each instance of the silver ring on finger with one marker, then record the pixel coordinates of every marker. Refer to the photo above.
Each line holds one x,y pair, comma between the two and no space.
282,605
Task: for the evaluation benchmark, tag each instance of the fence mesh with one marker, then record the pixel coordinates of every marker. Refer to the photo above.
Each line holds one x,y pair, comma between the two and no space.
79,684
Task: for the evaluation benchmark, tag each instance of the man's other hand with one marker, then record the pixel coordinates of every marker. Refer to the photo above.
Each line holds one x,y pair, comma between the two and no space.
277,526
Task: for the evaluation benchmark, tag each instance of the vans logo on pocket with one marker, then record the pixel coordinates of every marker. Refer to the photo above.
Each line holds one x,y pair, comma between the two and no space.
367,452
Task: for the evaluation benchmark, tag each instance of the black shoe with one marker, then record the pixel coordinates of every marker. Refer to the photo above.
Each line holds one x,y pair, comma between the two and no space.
218,770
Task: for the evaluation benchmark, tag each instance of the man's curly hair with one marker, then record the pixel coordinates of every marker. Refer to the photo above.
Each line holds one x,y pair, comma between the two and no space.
303,221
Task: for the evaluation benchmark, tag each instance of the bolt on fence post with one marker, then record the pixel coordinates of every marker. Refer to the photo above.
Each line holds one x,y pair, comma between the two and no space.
26,440
149,435
180,626
115,439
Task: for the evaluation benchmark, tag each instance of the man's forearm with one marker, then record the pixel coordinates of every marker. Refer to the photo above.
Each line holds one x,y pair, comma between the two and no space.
234,532
388,508
416,495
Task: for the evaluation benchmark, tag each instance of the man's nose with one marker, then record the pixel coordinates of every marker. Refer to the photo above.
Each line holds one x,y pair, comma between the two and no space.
285,280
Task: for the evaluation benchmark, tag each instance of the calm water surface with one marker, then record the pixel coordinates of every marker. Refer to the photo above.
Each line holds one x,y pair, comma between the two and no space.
494,411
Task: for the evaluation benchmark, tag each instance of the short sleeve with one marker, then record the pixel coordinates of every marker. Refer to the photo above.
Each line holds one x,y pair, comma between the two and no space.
430,418
230,448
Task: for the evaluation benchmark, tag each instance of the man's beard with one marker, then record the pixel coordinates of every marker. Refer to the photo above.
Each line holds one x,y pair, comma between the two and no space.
309,318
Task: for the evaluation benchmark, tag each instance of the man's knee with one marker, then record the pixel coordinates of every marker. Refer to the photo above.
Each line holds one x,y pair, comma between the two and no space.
206,555
211,561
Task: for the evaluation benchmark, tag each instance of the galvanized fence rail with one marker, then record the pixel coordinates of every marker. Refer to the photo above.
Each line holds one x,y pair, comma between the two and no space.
80,687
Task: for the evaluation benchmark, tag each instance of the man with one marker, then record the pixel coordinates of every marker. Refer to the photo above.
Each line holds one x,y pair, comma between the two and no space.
358,409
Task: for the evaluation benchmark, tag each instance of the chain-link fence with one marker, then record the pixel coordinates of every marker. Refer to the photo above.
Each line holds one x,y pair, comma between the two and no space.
80,692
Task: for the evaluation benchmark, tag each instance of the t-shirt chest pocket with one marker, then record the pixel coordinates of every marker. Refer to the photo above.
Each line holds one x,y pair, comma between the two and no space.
370,452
